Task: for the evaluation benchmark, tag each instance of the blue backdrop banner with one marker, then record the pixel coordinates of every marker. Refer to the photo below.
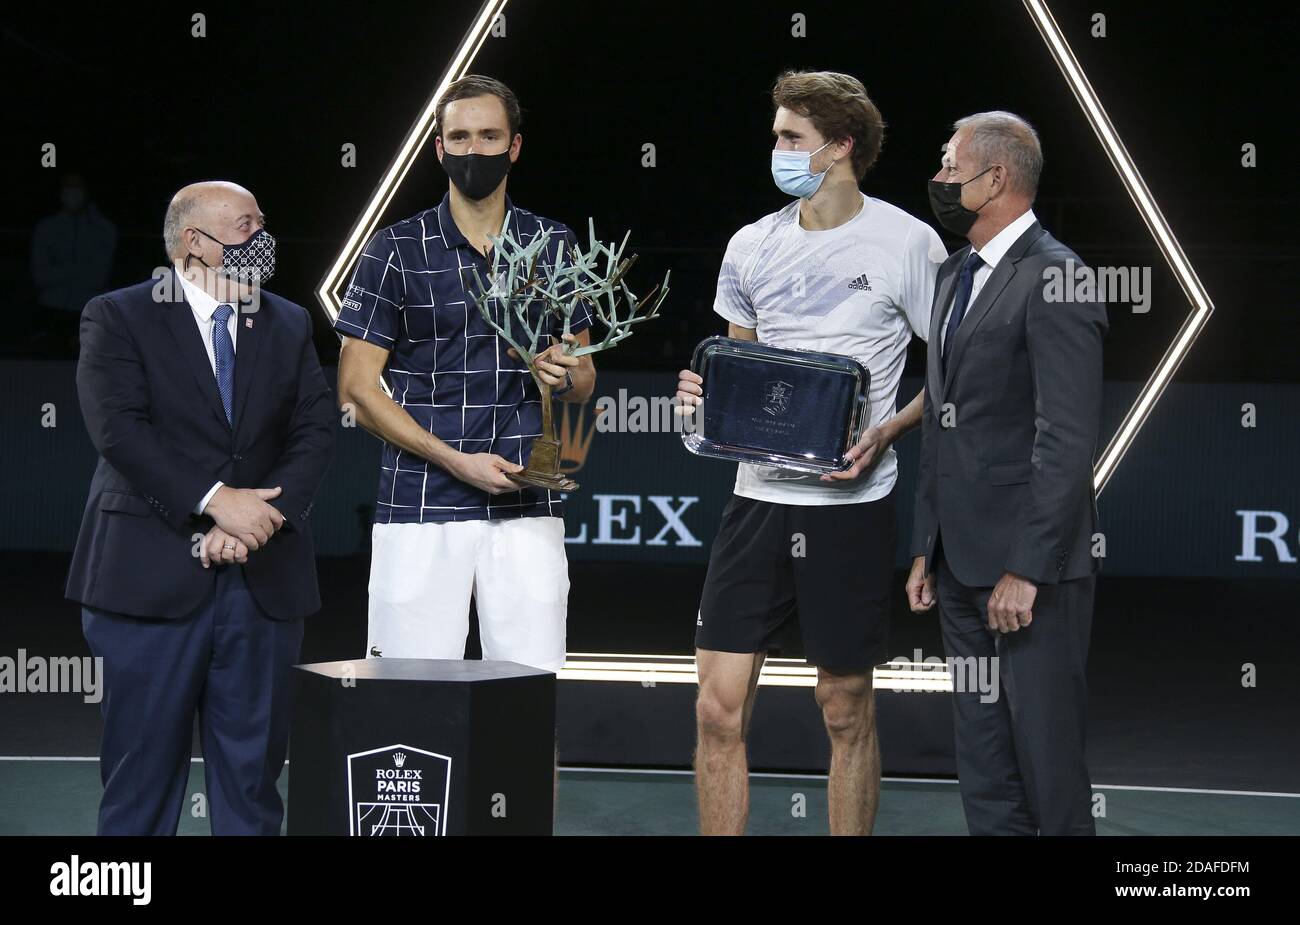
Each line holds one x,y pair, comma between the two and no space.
1207,488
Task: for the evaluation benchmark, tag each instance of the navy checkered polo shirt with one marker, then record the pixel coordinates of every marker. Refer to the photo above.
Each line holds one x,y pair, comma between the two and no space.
412,294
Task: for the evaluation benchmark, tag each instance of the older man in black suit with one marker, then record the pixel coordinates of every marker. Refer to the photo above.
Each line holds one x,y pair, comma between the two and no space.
214,425
1005,508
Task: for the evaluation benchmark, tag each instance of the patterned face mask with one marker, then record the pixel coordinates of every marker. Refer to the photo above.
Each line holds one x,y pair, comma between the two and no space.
252,262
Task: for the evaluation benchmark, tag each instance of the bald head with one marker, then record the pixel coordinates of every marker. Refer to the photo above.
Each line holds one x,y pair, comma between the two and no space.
220,208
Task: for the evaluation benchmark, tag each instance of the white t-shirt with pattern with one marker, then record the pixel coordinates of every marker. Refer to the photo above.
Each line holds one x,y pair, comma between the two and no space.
860,290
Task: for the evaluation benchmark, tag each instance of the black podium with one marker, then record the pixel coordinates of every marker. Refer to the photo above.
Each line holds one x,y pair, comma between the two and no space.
422,747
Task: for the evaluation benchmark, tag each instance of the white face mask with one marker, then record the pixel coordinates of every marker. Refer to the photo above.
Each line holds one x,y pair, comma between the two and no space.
790,170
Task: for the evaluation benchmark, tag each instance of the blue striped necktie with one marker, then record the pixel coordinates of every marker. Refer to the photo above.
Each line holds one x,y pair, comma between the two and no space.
223,349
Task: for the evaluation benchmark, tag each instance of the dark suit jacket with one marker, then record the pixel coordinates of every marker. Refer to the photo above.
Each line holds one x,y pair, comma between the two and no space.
150,402
1008,487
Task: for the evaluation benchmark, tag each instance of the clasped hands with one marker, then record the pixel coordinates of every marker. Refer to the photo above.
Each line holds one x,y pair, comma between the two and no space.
245,522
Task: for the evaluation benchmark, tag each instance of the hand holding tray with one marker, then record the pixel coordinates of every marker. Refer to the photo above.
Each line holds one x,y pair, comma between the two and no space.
773,406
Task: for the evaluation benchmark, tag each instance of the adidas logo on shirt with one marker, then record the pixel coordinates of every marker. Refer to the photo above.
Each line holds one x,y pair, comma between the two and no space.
861,283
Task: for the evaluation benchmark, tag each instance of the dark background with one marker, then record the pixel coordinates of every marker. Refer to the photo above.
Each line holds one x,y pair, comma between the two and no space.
268,98
272,93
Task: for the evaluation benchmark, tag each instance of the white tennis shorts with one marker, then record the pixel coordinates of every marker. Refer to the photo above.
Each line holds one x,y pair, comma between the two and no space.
422,577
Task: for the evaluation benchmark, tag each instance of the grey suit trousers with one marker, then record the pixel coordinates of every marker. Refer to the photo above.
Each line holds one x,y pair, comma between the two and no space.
1020,758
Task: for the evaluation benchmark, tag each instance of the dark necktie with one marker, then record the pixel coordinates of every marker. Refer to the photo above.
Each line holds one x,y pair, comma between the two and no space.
964,284
223,349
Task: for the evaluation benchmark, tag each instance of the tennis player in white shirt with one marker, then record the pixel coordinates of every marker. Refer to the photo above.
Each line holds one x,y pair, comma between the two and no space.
840,272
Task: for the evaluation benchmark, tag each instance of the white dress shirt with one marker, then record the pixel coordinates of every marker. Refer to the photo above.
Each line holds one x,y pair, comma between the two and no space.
204,307
991,254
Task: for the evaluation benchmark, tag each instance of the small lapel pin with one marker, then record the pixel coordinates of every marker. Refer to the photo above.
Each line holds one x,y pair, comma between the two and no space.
248,322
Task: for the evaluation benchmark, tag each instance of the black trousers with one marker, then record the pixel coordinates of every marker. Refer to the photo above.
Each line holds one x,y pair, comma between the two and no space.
1020,756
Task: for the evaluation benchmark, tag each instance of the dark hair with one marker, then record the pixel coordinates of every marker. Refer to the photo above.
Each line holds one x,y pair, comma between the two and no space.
472,85
838,106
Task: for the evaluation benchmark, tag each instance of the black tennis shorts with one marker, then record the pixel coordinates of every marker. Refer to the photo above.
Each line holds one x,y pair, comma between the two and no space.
828,566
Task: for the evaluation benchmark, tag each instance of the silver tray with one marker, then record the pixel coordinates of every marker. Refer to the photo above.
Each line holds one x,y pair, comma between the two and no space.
776,407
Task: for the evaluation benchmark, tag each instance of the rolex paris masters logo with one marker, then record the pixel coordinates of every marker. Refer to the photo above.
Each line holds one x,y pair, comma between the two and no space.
398,790
776,397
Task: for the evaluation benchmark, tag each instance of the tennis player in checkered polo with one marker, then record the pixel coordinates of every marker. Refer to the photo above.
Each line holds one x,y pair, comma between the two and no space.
464,412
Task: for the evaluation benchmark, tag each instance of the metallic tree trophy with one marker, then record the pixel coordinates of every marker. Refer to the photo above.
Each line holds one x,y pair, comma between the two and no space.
521,277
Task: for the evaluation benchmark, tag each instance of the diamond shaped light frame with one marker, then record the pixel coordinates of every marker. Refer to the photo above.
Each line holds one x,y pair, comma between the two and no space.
1201,305
625,667
368,222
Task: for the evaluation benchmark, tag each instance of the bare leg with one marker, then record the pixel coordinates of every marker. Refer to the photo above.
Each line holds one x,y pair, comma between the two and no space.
848,705
728,684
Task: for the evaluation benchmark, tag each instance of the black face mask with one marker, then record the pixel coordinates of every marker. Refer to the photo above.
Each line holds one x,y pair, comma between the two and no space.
945,202
476,175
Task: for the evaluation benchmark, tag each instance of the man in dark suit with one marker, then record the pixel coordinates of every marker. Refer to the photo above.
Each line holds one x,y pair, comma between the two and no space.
1005,507
194,588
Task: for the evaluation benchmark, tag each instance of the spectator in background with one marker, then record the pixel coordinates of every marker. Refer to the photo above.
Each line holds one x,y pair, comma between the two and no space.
72,259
